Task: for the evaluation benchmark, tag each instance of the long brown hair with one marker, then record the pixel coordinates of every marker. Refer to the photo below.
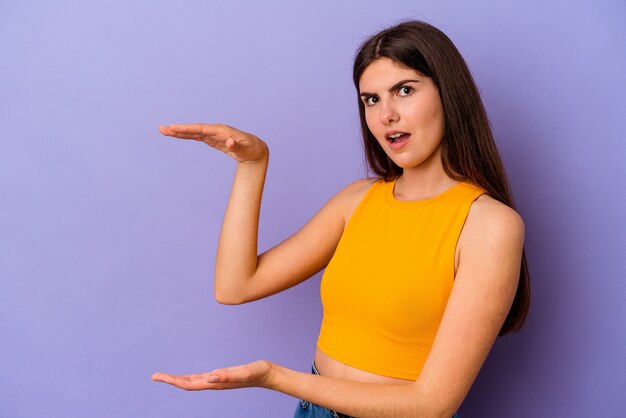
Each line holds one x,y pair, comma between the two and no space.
469,152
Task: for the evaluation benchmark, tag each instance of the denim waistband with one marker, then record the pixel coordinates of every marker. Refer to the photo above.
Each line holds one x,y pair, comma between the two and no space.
335,414
338,414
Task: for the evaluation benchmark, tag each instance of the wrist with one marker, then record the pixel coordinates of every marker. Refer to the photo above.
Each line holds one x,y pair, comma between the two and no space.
261,163
261,160
273,377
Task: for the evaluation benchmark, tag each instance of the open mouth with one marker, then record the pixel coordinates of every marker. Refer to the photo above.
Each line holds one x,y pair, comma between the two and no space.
397,137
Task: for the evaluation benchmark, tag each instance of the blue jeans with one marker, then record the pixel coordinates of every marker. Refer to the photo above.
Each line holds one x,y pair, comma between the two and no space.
306,409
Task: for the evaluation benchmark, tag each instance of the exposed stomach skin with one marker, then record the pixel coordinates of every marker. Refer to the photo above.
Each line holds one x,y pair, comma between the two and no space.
328,366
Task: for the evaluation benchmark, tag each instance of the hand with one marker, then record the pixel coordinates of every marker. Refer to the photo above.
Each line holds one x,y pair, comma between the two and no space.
242,146
256,374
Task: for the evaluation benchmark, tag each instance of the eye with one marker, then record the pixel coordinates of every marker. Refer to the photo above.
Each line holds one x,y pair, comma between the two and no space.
405,90
370,100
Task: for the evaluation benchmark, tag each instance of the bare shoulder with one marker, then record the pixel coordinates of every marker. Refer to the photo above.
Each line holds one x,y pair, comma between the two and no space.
352,194
492,220
491,213
358,188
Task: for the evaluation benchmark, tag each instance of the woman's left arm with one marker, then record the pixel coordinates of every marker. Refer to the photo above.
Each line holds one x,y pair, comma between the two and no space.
483,292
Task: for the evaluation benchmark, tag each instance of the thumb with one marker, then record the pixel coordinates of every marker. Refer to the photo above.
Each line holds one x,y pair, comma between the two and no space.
231,144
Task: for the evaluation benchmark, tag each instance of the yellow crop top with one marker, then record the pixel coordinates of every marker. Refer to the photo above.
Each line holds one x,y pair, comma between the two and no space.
386,287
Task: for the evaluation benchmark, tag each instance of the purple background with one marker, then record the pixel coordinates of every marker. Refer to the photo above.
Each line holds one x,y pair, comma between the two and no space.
108,230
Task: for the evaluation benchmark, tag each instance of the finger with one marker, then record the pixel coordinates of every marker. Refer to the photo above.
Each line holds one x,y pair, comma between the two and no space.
167,131
187,382
218,131
235,375
213,135
172,379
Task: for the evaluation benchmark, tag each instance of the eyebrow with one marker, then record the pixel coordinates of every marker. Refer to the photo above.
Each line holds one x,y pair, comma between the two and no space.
391,89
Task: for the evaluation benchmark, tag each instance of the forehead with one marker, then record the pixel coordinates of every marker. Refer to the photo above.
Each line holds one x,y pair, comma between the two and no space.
383,73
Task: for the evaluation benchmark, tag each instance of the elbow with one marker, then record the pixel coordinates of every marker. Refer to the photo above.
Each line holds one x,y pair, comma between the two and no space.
228,291
226,299
446,414
426,403
433,413
442,409
446,410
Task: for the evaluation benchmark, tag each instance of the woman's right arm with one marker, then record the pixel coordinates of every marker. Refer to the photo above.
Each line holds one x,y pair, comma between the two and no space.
240,275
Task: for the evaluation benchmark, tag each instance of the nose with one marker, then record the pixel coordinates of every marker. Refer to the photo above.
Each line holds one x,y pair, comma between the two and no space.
388,113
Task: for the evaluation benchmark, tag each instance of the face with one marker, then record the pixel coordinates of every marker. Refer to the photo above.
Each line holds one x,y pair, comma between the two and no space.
403,111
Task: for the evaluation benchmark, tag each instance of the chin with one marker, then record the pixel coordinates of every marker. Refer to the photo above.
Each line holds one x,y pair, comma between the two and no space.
403,164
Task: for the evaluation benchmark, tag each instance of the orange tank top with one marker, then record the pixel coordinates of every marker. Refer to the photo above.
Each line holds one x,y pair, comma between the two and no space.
386,287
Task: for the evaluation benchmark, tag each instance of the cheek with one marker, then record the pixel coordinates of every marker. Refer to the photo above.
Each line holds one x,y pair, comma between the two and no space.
427,115
437,113
439,121
374,127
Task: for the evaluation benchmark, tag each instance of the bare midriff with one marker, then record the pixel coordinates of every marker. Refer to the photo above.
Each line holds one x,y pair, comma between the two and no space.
328,366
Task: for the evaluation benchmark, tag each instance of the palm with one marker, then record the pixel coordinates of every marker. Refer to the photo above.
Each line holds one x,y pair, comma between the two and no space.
255,374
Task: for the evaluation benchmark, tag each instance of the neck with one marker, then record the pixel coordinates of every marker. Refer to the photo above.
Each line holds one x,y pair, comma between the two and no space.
424,181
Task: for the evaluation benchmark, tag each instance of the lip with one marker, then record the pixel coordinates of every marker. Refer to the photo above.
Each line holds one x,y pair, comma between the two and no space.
399,145
389,133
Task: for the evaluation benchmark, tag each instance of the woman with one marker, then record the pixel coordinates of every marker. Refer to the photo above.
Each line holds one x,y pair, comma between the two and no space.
424,263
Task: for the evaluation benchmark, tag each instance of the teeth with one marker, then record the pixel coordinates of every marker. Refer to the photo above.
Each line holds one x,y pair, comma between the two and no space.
394,136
